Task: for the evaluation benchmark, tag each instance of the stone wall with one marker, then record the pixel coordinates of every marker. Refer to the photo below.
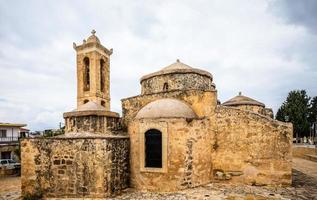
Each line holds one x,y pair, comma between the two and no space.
188,160
269,112
257,109
99,125
187,81
74,167
251,148
253,108
302,152
5,171
202,102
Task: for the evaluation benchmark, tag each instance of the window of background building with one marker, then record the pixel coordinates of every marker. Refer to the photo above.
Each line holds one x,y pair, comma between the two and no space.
3,133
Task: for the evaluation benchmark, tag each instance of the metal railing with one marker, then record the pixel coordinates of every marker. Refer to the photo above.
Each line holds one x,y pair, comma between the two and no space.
9,139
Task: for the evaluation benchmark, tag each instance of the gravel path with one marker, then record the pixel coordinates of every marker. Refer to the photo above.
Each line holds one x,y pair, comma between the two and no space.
305,166
10,187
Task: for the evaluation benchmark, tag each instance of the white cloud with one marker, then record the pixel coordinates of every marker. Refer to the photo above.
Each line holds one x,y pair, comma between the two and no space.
245,45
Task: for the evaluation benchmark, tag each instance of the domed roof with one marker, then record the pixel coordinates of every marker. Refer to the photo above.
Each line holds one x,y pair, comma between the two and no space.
93,38
162,108
91,105
242,100
177,67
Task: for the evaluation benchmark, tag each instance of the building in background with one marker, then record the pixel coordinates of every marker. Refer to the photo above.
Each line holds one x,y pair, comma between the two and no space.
9,139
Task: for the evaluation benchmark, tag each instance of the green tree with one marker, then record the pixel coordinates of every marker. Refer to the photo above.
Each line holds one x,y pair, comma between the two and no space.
296,109
280,114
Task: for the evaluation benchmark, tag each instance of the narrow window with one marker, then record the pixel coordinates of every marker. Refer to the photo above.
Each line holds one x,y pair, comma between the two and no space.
153,148
86,74
86,101
103,103
3,133
165,87
102,75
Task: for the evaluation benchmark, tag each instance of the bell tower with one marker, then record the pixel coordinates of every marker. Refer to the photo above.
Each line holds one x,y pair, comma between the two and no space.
93,72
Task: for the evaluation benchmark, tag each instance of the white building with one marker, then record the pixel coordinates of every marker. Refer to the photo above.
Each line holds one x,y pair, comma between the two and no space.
9,139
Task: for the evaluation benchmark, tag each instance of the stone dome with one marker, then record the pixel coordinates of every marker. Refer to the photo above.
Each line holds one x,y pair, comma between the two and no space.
93,38
242,100
175,77
91,105
177,67
166,108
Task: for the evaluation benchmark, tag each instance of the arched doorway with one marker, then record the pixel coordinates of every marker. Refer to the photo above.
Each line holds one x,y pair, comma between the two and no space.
153,148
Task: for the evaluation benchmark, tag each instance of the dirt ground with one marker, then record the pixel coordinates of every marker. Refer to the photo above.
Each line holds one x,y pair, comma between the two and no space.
304,188
305,166
10,187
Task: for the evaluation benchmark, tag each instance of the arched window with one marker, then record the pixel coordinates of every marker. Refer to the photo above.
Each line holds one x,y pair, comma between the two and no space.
153,148
103,103
165,87
86,74
86,101
102,75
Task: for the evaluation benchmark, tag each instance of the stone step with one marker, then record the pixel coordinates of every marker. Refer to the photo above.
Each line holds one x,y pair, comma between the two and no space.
311,157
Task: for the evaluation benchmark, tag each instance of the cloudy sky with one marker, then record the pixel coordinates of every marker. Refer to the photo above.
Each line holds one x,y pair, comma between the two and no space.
264,48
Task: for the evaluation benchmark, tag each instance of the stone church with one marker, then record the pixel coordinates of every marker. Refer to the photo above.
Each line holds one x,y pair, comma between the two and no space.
174,135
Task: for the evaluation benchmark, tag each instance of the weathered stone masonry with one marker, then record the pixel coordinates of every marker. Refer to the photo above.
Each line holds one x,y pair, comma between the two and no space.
177,82
92,158
72,167
174,135
256,146
97,122
234,142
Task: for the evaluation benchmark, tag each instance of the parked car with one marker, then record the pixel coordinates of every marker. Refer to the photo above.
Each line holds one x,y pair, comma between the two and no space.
9,164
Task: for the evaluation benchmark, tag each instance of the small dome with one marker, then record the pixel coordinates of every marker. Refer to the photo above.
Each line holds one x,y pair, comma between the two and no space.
242,100
91,105
166,108
93,38
177,67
